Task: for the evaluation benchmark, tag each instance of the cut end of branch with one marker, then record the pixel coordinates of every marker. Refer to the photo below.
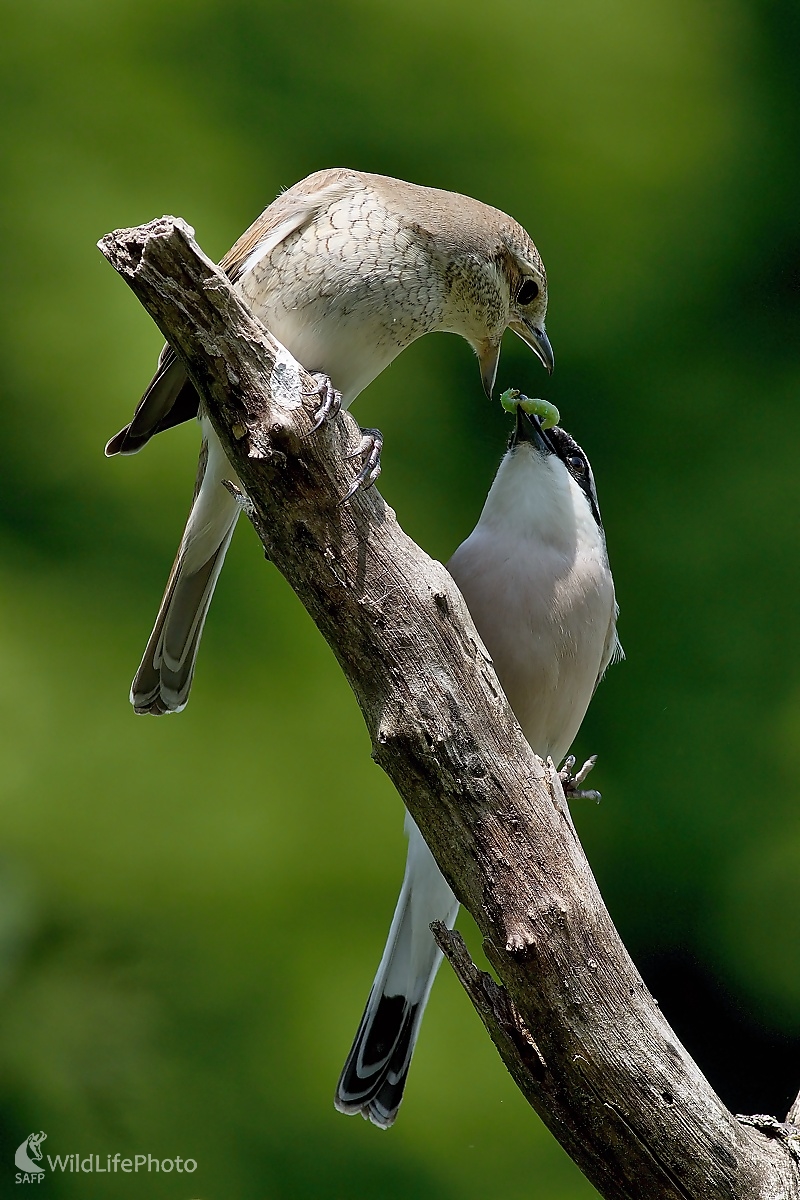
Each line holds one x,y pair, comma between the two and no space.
125,248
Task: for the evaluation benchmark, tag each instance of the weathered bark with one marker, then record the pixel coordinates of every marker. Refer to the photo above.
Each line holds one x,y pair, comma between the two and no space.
574,1023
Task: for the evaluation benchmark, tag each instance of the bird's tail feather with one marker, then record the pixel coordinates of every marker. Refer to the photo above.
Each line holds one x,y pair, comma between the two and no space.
162,683
374,1075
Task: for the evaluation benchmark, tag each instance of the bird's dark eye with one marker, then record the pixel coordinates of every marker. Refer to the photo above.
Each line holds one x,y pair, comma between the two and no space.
576,464
528,292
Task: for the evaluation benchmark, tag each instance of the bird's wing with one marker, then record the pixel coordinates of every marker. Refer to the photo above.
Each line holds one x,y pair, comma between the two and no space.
293,210
612,649
170,398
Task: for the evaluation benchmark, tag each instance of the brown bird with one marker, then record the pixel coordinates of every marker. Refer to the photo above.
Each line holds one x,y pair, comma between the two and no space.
345,269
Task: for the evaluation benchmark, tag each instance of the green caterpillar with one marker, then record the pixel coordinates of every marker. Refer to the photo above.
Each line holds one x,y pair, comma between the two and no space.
547,413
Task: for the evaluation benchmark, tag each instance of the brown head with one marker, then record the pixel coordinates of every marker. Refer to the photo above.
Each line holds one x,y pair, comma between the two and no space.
504,287
494,275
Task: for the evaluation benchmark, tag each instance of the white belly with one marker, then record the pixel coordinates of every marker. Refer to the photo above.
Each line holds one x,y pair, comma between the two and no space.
544,621
350,352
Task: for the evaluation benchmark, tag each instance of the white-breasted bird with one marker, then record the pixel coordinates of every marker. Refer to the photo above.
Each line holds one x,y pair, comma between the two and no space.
536,579
345,269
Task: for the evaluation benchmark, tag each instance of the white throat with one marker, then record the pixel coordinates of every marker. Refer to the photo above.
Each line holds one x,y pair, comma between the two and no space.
534,498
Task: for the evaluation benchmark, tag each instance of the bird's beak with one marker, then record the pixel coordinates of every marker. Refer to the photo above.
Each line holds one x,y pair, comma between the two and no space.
535,337
488,357
528,428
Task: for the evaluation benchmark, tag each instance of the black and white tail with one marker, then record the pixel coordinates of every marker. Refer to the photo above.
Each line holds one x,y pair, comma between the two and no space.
374,1076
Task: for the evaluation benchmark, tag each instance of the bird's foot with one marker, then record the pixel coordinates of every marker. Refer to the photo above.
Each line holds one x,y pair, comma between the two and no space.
330,401
369,451
572,783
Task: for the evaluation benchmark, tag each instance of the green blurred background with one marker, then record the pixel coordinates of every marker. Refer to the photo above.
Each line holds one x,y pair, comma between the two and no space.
191,910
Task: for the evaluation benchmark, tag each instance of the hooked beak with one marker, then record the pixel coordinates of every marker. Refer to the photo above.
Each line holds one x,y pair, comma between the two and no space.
488,357
535,337
528,428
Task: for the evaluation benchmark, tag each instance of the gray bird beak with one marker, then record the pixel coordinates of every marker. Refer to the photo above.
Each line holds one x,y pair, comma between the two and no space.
528,428
537,340
488,357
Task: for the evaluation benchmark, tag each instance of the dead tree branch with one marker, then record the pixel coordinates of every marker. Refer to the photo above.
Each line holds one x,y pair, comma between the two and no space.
574,1023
